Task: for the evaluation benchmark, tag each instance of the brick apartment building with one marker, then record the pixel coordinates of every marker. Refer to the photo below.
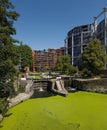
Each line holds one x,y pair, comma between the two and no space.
46,59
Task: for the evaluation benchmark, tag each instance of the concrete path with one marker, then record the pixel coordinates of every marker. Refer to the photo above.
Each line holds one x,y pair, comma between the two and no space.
19,98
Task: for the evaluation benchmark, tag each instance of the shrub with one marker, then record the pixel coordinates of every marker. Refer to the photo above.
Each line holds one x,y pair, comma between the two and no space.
3,103
86,73
21,88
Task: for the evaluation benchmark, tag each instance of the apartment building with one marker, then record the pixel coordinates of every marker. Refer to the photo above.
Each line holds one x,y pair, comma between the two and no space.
101,33
79,37
46,59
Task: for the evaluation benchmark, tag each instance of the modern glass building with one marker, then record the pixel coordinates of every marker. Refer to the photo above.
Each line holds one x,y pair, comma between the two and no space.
77,40
102,33
79,37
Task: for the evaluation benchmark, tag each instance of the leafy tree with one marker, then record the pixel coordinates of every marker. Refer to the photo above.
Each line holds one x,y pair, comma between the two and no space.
73,70
7,49
7,73
93,57
63,64
10,51
7,18
26,59
3,103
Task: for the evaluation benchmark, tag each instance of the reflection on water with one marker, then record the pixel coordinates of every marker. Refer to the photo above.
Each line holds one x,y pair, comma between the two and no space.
41,94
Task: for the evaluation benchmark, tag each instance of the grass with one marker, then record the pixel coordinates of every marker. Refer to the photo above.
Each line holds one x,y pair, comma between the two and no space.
77,111
35,75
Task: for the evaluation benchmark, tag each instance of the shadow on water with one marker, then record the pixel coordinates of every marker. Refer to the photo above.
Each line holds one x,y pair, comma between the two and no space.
9,114
1,126
42,94
73,126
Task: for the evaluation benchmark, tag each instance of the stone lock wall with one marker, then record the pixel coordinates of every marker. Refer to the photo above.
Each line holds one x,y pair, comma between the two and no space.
91,85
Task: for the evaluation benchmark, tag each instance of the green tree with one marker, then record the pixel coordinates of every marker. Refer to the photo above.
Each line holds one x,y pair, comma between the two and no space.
93,58
63,64
7,50
73,70
26,59
7,18
7,73
10,51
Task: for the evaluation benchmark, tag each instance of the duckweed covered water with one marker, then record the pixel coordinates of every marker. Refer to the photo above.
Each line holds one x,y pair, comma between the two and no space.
77,111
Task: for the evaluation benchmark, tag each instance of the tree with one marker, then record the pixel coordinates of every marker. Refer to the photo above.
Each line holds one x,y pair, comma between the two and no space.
10,51
73,70
63,64
93,57
7,49
7,18
26,59
7,73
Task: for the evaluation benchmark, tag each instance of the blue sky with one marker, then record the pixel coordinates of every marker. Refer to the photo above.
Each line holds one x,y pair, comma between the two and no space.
44,24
